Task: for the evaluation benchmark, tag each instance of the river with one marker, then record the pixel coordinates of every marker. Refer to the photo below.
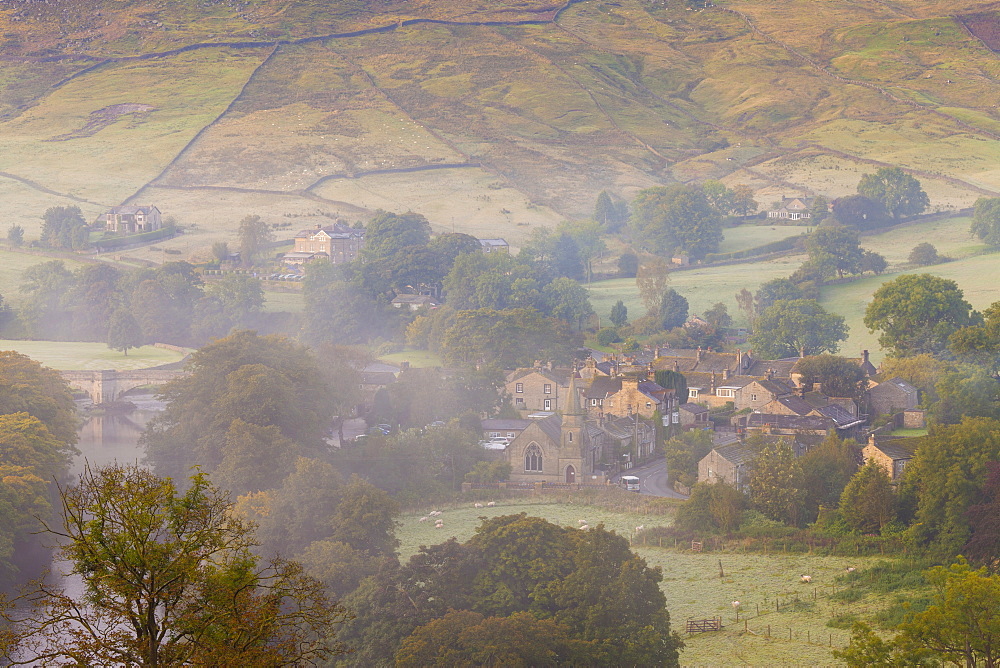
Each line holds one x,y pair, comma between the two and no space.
105,439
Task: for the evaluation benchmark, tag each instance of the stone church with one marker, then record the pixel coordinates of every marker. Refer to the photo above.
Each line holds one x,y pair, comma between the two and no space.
556,448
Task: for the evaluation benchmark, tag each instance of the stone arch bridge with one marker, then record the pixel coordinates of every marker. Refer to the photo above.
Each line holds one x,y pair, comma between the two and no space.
108,385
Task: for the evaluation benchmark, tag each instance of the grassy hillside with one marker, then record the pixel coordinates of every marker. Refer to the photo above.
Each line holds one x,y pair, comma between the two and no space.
498,117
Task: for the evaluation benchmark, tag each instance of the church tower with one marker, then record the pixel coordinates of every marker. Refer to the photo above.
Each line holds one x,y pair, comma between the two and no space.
572,448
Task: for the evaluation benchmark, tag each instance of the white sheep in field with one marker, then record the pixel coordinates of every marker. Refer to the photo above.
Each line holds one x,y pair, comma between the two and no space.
581,521
850,569
491,504
439,525
424,518
584,527
641,527
434,513
736,605
807,578
478,505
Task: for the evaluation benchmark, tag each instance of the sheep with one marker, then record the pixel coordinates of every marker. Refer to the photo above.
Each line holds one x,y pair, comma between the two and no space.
807,578
581,521
736,605
584,527
439,526
434,513
424,518
478,505
491,504
641,527
850,569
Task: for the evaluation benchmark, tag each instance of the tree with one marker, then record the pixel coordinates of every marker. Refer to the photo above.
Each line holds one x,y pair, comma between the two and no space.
387,234
26,386
45,287
859,212
826,470
262,380
924,254
199,597
898,192
873,262
677,218
839,242
838,376
673,311
62,228
509,338
868,502
775,486
775,290
466,638
986,220
984,521
123,331
619,314
946,475
567,300
586,235
93,298
916,313
652,279
744,302
980,344
714,507
673,380
15,235
960,625
628,265
220,250
254,237
797,327
232,301
742,201
820,210
611,214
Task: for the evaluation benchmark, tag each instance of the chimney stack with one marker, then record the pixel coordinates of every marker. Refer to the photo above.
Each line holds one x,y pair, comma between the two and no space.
725,374
698,354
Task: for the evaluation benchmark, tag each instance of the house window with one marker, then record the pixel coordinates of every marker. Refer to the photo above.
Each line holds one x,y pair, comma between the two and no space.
548,404
511,434
753,397
494,434
533,458
649,405
724,392
692,393
519,387
593,402
547,389
571,437
518,401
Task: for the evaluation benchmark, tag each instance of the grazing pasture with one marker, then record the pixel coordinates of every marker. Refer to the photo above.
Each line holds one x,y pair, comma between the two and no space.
87,356
693,587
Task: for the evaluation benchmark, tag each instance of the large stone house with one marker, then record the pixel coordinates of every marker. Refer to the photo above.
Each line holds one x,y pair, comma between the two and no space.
635,395
727,463
892,396
132,219
336,243
538,388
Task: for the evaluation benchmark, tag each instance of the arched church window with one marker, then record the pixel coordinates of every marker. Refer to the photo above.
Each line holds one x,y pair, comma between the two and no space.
533,458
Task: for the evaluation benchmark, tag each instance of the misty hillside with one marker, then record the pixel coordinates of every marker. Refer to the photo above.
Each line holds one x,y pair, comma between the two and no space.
488,116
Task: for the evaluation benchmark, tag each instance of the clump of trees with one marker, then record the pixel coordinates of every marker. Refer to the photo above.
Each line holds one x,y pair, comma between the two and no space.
515,571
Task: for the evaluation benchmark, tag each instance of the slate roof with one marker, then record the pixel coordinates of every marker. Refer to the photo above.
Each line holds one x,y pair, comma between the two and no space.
335,231
796,404
504,424
788,422
653,391
893,450
696,409
560,376
840,416
602,387
782,368
413,299
131,210
552,427
736,453
776,387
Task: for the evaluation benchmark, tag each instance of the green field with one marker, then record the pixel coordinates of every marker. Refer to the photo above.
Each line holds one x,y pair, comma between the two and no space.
694,589
12,267
416,358
750,236
74,356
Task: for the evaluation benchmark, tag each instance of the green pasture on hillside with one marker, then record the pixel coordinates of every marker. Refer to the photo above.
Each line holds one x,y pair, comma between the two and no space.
976,276
12,267
693,587
743,237
77,355
416,358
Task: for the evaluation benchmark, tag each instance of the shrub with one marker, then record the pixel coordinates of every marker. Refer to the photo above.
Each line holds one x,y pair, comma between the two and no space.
607,336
